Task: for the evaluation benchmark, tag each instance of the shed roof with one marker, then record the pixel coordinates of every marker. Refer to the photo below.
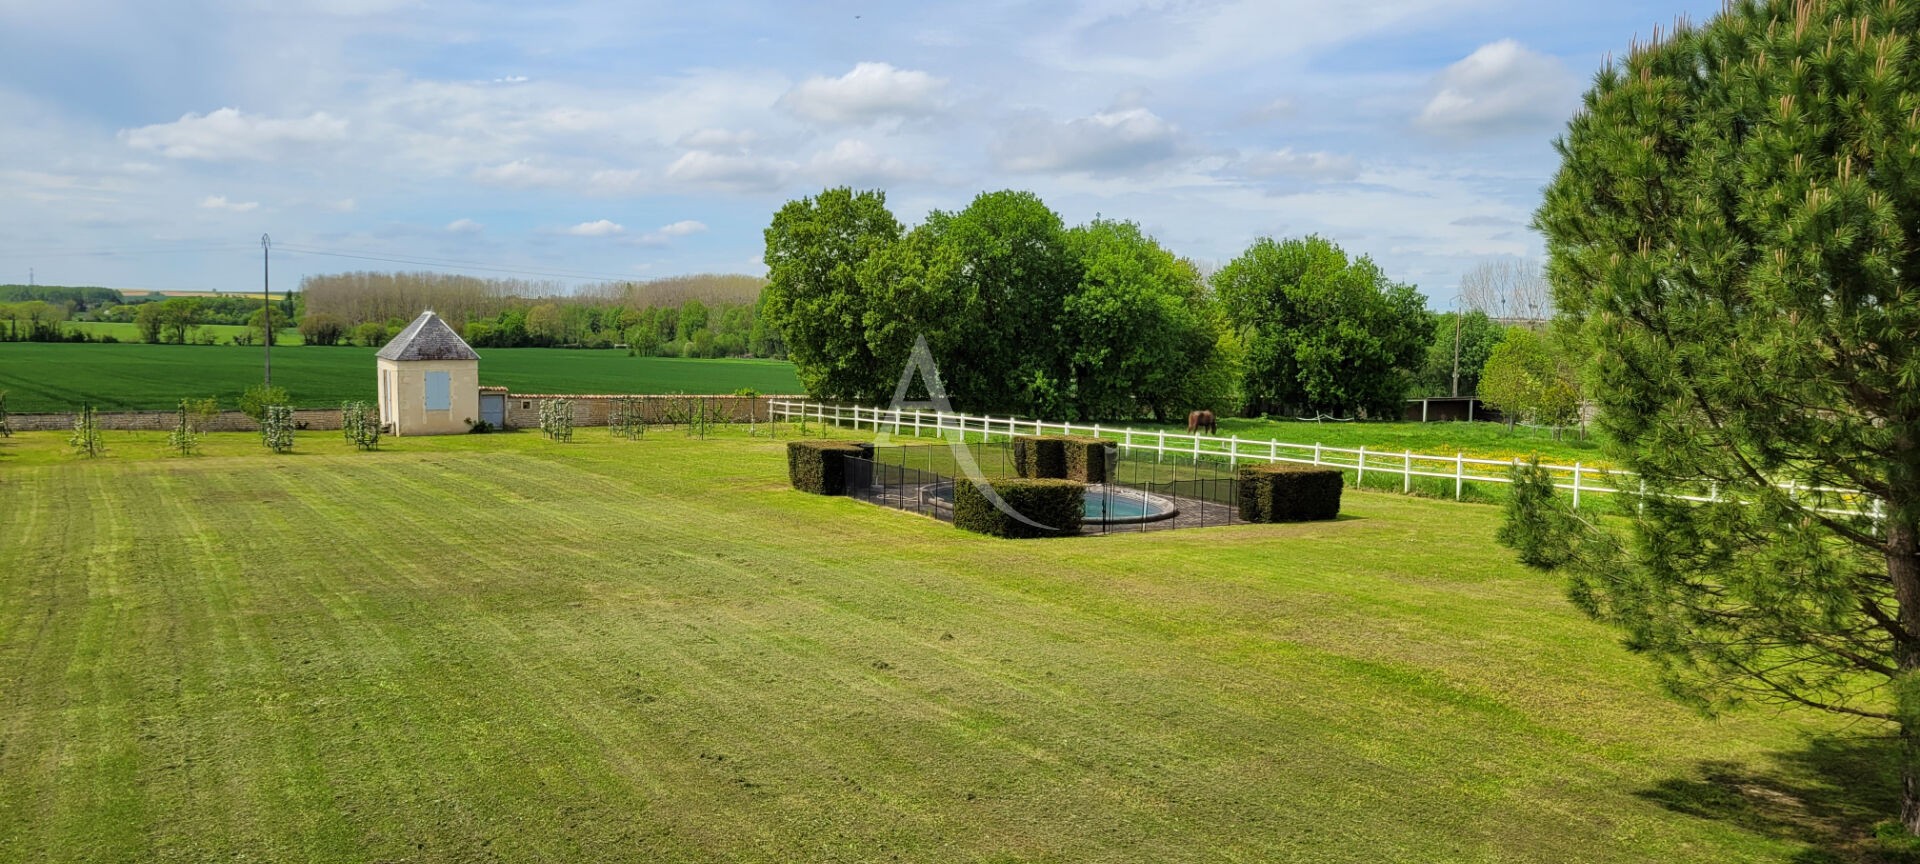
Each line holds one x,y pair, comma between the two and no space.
428,338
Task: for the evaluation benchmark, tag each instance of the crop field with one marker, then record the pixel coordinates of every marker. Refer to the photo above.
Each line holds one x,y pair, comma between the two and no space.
495,647
129,332
63,376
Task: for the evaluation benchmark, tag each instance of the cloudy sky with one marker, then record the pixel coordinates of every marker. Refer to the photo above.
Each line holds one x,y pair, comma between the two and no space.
149,145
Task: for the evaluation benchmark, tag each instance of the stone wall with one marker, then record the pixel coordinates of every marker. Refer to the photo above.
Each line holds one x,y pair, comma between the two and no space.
162,421
523,409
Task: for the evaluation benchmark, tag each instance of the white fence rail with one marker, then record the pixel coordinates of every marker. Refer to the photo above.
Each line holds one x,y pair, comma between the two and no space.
1459,468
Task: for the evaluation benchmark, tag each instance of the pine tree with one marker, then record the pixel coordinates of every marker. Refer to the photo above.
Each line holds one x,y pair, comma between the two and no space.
1732,236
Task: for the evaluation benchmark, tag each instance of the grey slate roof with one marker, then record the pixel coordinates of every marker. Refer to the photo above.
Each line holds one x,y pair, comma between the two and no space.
427,338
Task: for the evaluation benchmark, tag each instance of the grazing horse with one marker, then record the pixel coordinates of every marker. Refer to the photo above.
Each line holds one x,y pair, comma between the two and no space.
1201,420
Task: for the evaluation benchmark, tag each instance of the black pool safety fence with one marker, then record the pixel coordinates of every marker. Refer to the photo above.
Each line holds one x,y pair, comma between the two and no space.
1140,494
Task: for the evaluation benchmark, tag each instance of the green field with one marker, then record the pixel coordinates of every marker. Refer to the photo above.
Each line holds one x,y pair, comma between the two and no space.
129,332
498,648
61,377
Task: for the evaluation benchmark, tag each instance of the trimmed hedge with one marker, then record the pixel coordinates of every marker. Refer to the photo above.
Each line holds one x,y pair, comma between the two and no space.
1086,458
1284,492
1058,504
815,466
1040,457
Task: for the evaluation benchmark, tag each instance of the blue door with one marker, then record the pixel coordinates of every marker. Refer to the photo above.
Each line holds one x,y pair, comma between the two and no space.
493,410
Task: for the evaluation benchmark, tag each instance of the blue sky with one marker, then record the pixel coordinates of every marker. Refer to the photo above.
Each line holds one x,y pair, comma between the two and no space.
151,144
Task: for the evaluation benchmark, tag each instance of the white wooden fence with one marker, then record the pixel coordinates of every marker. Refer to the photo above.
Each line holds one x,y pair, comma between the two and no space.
1459,468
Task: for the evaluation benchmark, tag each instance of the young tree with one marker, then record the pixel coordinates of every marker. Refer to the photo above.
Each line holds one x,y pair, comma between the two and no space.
150,318
1322,332
1524,378
276,428
815,246
1731,234
255,400
86,439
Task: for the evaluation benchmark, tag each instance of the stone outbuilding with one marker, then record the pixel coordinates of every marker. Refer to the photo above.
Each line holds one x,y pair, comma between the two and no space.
429,380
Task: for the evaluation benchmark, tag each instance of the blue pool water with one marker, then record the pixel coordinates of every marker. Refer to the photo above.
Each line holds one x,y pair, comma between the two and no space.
1102,505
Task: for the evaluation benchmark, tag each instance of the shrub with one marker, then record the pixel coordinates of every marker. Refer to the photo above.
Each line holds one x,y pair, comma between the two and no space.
86,439
816,466
276,428
1038,457
480,428
1086,458
1284,492
1538,525
1056,505
254,402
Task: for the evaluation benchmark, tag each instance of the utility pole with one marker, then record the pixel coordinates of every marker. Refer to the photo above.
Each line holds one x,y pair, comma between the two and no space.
266,306
1456,347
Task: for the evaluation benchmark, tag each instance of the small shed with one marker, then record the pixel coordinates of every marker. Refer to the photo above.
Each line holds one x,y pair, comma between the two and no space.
429,380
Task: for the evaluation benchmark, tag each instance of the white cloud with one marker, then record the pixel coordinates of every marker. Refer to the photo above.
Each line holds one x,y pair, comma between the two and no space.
220,202
230,134
597,228
464,226
666,233
520,173
1110,142
733,172
717,140
1501,87
855,162
511,79
344,205
870,92
1319,166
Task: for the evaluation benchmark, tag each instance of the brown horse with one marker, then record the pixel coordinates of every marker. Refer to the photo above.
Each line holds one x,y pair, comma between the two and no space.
1201,420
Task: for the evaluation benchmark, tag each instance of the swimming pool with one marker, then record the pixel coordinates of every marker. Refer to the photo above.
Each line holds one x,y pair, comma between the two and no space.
1108,505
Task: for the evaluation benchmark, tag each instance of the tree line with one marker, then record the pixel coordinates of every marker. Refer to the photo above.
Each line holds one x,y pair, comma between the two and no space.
1027,315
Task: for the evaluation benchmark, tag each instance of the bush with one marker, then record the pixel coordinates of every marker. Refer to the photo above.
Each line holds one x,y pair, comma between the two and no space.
1284,492
816,466
1086,458
1538,525
1040,457
254,402
1056,505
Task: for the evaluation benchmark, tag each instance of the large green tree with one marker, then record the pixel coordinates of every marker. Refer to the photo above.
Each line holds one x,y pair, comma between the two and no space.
986,286
1525,379
815,248
1734,232
1323,333
1476,335
1142,333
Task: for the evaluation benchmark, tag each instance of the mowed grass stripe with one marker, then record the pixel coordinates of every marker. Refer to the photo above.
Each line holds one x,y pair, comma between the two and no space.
494,646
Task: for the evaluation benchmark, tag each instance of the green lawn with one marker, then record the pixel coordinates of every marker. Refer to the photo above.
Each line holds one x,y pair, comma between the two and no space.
60,377
498,648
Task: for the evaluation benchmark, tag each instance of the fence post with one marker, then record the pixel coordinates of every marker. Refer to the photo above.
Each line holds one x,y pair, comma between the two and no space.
1096,430
1362,479
1316,452
1459,473
1196,449
916,424
1161,453
1576,485
1233,451
1273,450
1126,438
1406,470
